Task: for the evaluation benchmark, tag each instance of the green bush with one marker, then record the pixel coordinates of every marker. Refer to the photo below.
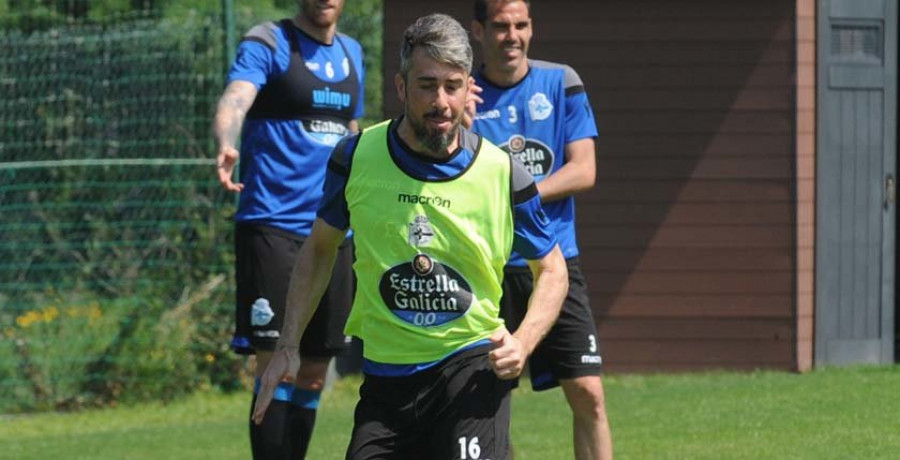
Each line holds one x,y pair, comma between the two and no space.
71,351
51,348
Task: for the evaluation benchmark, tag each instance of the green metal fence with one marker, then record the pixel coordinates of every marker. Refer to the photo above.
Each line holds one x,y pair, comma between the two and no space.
115,237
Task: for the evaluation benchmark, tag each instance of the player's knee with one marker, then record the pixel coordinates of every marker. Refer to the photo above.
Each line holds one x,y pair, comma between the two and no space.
586,398
311,375
310,379
313,384
592,407
260,362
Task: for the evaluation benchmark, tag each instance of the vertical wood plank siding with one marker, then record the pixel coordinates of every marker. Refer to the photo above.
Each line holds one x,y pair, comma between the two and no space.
690,241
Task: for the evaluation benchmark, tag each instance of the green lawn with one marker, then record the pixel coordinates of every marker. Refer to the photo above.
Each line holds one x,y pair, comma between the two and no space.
830,414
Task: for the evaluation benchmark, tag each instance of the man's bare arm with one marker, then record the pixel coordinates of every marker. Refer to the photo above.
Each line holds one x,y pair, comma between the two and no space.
577,175
551,283
230,113
309,279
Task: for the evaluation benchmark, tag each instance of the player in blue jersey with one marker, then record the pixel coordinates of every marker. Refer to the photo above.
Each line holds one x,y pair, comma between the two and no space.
539,112
294,90
435,211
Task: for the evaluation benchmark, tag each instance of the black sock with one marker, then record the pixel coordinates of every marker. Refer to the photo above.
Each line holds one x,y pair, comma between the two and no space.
303,421
287,426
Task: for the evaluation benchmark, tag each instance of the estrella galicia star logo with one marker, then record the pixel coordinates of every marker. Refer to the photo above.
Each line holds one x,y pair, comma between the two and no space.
422,265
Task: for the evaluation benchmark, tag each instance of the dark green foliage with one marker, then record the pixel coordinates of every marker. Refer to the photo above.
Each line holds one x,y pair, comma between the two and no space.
363,21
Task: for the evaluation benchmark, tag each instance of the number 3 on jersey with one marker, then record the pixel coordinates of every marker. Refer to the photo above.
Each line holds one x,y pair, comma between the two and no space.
469,450
513,115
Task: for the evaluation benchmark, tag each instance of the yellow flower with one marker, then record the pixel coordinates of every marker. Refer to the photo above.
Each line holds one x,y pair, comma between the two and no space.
210,358
50,314
28,319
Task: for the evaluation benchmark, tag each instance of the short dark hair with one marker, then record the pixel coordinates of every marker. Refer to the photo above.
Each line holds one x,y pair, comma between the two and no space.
442,37
481,7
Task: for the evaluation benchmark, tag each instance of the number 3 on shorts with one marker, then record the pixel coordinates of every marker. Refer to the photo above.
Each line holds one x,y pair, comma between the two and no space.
469,450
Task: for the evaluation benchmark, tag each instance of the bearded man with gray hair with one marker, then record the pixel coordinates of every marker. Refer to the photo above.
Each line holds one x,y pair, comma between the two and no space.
436,211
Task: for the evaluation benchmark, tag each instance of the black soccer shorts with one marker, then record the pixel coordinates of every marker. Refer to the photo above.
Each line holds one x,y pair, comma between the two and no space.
458,409
571,348
264,258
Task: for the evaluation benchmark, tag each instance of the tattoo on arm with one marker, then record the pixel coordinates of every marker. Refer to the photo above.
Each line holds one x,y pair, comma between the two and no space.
231,110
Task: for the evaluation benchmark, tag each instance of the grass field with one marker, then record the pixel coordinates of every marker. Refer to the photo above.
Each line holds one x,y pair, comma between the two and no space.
829,414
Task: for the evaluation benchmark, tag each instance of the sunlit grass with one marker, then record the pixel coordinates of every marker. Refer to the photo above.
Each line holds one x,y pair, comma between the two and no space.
829,414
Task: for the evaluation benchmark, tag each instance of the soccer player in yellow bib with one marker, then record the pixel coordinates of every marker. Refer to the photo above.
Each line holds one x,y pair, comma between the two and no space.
436,211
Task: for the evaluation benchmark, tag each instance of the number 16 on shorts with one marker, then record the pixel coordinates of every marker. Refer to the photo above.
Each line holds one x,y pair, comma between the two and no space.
469,448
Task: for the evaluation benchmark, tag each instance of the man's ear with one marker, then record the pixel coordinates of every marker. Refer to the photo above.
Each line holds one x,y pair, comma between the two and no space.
401,87
477,30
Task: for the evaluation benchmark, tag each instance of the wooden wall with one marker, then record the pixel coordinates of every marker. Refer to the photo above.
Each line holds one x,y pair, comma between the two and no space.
690,238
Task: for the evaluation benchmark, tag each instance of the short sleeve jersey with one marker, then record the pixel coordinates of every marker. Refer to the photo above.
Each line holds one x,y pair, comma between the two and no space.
284,153
533,120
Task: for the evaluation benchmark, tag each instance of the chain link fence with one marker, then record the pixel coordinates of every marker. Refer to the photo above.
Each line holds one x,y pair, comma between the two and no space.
115,238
